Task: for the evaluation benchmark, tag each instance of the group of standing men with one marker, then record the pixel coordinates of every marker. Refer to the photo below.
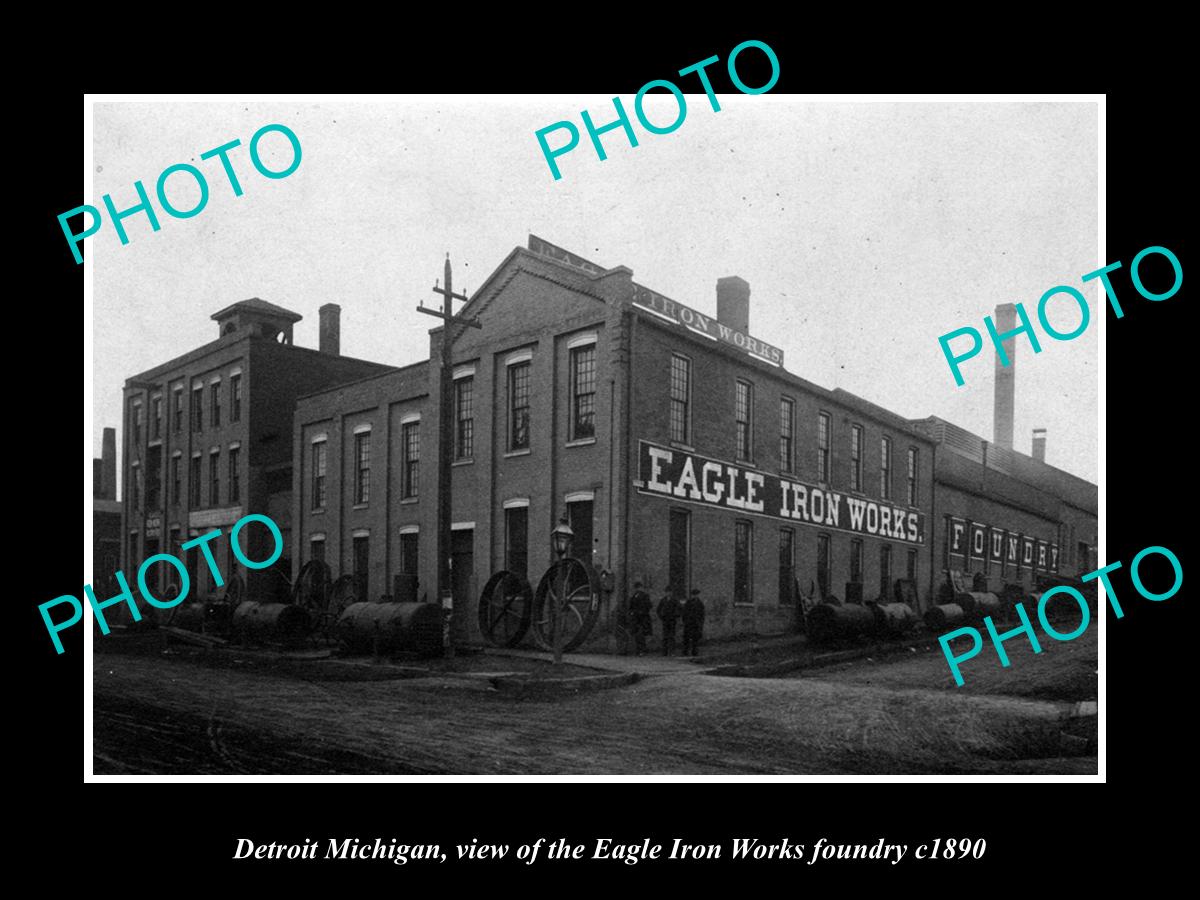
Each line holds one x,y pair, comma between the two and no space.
671,610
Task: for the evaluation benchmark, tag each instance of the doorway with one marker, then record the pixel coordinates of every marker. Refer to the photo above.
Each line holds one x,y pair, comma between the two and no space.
462,577
362,560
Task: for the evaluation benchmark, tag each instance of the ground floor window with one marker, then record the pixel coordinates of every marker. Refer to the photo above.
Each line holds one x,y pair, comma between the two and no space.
787,565
679,577
856,561
743,563
823,564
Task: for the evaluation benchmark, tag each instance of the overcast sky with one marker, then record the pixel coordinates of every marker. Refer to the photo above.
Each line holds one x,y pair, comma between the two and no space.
864,230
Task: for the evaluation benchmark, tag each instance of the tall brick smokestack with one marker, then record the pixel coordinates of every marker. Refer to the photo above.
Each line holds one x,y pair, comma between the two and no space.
330,340
1006,377
733,303
1039,444
108,464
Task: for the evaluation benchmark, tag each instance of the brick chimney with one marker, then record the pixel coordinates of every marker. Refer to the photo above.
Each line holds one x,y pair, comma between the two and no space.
1004,401
108,464
331,329
1039,444
733,303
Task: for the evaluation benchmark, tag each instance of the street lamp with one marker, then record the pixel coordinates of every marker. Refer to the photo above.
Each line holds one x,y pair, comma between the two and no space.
560,539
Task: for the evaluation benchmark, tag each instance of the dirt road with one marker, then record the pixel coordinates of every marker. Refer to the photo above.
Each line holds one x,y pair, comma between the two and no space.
171,715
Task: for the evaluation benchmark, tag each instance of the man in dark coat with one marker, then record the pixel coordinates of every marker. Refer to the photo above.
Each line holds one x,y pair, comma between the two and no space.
640,624
668,612
693,623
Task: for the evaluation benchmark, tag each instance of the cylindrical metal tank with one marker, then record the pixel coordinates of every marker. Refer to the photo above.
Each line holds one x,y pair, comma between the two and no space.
944,615
827,622
391,628
966,601
279,623
985,604
894,618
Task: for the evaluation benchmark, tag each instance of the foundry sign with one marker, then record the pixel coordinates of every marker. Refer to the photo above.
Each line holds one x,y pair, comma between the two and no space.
1000,547
685,477
718,331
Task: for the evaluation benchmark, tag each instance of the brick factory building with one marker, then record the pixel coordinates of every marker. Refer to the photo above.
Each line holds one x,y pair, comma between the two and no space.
682,450
208,438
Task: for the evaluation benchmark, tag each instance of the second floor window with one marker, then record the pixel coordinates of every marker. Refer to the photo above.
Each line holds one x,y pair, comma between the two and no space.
154,478
464,418
198,409
235,398
885,469
177,411
318,475
681,395
583,393
362,467
856,436
787,426
214,391
214,478
194,482
823,448
518,406
176,479
743,414
135,482
235,481
912,476
411,435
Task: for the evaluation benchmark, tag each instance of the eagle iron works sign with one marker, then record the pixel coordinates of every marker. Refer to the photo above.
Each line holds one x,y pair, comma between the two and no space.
1001,547
718,331
545,248
673,474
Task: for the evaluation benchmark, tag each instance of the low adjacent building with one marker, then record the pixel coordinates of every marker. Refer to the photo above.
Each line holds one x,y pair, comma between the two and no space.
1006,516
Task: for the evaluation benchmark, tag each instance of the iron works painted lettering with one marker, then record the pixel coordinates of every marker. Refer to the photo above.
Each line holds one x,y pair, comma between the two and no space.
686,477
688,317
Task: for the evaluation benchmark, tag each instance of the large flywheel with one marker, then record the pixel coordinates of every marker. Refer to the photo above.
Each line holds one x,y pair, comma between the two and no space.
312,592
505,609
574,590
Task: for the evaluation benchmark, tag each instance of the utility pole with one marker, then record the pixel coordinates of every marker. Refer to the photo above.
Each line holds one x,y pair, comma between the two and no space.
446,443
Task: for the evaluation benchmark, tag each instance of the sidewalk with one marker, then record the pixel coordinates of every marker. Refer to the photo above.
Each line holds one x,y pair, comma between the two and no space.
755,656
